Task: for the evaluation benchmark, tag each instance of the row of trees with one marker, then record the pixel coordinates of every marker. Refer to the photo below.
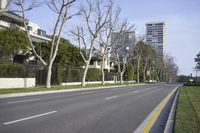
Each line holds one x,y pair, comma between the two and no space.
197,61
191,78
197,67
99,19
149,66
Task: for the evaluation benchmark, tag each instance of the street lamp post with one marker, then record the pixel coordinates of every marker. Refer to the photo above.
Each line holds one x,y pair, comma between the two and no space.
127,48
124,63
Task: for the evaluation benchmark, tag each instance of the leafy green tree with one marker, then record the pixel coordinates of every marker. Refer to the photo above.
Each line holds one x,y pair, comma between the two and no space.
138,50
68,55
129,73
146,59
12,42
197,60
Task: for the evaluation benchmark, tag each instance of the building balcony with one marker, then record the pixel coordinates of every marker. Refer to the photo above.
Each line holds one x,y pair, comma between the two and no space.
4,24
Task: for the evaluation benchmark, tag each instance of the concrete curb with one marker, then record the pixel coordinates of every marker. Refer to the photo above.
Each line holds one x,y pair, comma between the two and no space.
170,122
144,124
58,91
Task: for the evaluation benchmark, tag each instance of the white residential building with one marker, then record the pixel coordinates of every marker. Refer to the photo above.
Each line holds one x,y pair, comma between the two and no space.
37,34
96,61
12,20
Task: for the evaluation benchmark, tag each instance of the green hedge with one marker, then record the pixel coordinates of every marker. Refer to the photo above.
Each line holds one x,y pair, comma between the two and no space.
93,74
12,71
72,75
129,73
193,84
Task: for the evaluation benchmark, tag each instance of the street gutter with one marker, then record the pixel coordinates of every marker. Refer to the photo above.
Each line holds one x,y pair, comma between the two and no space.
148,123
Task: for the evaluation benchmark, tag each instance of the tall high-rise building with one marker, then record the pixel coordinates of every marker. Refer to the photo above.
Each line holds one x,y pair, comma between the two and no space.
155,36
123,40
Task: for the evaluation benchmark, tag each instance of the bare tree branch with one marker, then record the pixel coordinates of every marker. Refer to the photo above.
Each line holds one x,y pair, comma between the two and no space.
6,7
20,3
62,17
95,17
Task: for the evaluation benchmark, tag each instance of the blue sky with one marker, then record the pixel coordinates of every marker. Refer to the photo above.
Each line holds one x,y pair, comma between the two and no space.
182,18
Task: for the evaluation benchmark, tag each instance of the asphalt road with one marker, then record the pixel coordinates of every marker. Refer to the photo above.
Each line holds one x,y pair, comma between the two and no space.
110,110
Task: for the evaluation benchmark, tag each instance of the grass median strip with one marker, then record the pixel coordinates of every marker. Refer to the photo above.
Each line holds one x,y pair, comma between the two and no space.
188,110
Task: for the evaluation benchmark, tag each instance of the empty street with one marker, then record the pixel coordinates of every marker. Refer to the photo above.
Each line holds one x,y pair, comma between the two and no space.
109,110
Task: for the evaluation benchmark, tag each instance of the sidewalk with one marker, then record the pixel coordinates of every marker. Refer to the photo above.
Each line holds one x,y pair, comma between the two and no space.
59,91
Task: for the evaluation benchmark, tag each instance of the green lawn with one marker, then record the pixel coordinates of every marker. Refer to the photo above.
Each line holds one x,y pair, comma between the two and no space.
188,110
42,88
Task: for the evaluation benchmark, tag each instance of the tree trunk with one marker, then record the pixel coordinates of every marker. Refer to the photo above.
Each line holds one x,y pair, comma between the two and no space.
121,78
102,71
138,76
85,73
49,72
138,70
144,76
157,76
119,72
103,78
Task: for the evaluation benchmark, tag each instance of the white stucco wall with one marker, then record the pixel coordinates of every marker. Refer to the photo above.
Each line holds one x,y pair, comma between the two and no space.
16,82
91,82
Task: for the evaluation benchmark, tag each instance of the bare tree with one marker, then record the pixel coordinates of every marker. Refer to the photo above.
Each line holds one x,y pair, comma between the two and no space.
61,9
151,65
125,62
22,9
5,9
122,58
95,16
170,69
105,37
160,68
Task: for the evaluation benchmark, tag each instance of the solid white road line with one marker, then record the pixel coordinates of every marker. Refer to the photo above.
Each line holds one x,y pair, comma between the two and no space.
22,101
27,118
111,97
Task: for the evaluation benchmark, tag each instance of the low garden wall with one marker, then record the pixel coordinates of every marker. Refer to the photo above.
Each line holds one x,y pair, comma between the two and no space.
16,82
93,82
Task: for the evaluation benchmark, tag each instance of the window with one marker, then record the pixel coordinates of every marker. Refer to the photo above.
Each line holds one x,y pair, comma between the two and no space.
91,63
41,32
29,28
